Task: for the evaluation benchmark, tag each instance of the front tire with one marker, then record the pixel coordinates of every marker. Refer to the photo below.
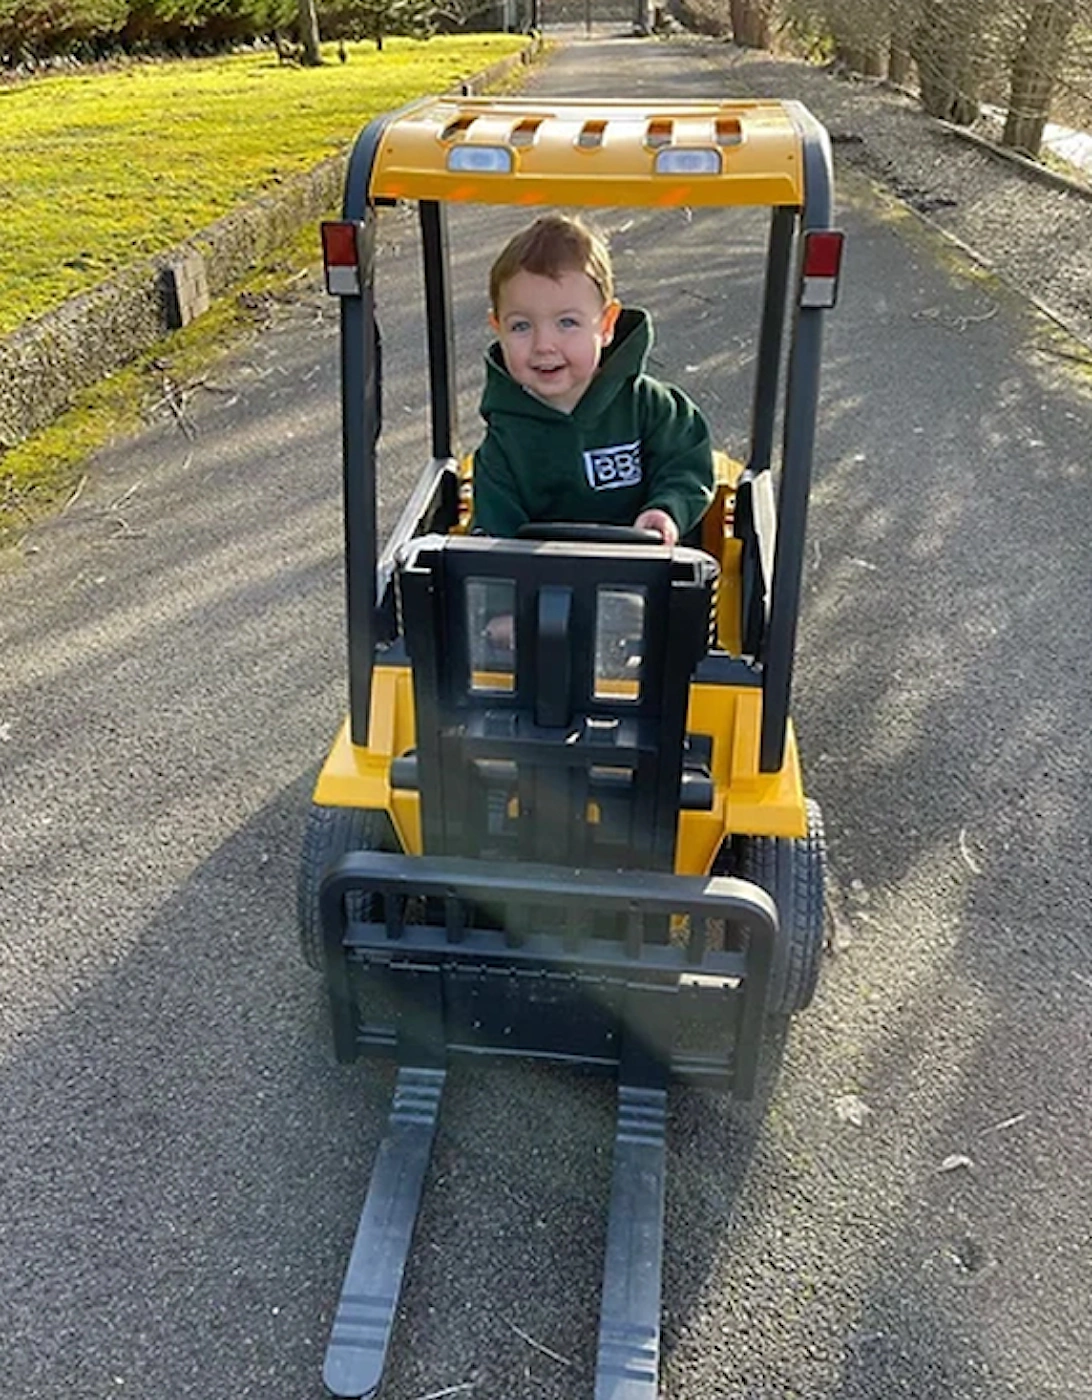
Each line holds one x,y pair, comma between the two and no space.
331,833
793,872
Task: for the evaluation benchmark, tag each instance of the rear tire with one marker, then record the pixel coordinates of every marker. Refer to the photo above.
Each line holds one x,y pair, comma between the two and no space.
331,833
793,872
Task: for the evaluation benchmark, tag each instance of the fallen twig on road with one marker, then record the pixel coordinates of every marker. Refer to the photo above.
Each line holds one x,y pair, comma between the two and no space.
1005,1123
449,1390
75,496
176,402
526,1336
953,322
964,850
125,495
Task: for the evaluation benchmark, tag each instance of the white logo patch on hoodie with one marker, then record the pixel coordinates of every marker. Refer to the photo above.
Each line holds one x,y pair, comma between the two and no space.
608,467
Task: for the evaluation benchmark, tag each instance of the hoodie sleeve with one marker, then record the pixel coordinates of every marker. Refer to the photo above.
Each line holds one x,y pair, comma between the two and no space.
677,452
498,504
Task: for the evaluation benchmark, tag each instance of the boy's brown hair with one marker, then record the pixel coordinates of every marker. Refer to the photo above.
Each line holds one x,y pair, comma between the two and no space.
552,245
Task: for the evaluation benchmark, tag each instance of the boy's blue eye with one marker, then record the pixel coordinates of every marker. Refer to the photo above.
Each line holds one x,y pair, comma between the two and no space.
569,322
518,327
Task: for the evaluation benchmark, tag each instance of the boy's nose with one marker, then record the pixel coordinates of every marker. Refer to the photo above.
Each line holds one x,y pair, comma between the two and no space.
544,337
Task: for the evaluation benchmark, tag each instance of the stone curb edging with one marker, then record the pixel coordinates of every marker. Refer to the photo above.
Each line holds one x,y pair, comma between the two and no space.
45,363
1067,184
1042,173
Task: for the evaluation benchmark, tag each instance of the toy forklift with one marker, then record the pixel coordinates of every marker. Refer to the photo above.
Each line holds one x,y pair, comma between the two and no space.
595,847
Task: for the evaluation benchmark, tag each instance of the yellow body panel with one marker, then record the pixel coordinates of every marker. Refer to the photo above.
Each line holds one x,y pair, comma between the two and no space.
353,776
747,802
592,153
717,540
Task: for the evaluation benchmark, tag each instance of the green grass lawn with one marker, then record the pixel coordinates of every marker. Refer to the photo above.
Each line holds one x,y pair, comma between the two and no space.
99,170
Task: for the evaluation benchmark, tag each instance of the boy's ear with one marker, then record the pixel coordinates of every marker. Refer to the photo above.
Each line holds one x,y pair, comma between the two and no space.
494,324
610,316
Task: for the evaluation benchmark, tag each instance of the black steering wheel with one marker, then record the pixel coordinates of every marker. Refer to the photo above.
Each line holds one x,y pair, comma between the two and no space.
579,532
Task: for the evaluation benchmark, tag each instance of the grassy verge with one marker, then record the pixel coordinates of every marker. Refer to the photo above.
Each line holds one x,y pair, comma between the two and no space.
100,170
39,475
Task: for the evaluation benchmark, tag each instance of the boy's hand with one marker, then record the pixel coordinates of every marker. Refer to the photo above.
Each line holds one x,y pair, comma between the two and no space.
662,523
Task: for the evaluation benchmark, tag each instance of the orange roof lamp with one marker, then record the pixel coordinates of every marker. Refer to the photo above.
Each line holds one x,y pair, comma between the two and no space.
566,833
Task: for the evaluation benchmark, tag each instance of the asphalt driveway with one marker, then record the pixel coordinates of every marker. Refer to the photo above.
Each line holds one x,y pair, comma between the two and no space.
904,1212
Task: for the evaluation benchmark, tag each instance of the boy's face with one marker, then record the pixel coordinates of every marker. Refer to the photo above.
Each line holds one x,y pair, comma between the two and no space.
552,332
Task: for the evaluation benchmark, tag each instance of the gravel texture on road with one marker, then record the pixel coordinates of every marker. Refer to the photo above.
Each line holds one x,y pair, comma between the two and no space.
904,1211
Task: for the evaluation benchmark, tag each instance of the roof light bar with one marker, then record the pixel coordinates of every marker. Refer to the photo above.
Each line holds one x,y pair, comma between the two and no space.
687,160
821,269
341,259
481,160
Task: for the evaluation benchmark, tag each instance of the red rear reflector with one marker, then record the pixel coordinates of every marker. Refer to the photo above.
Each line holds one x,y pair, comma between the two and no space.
341,257
339,245
822,265
822,254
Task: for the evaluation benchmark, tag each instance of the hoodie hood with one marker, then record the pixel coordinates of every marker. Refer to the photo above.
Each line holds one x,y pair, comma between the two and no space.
622,361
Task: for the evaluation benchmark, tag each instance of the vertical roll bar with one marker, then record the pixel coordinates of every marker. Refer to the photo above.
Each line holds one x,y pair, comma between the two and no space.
438,324
801,400
764,414
361,407
360,431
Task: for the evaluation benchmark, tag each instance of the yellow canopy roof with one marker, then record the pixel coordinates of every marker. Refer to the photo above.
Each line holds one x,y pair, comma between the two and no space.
659,154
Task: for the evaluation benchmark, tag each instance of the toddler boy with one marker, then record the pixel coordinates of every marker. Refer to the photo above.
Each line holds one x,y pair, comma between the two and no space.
575,428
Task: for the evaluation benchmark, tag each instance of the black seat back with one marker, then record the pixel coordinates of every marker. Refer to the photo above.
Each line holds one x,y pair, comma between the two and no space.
566,747
756,526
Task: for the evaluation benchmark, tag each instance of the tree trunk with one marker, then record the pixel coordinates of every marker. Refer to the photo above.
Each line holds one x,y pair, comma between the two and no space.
859,30
867,59
946,47
900,62
311,56
751,27
1034,73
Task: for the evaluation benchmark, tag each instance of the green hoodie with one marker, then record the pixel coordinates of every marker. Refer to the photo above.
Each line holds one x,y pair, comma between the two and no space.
630,444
